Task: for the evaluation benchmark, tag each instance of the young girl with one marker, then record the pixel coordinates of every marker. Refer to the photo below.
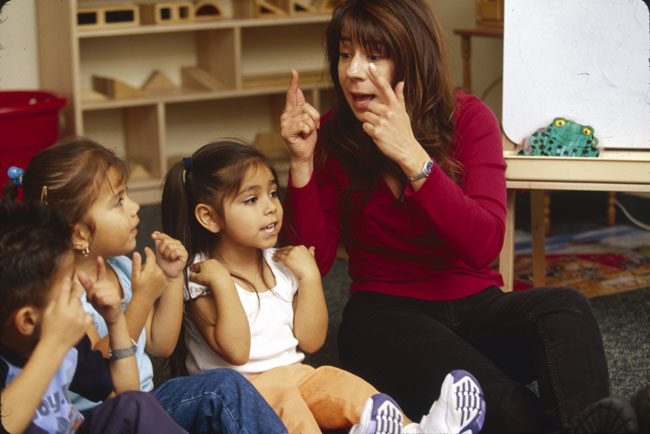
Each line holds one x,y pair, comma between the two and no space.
250,306
87,183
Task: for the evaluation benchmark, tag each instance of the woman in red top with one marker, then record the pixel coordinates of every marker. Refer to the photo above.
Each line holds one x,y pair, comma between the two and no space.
409,174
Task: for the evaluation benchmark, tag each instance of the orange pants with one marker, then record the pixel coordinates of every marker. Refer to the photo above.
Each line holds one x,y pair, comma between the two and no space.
308,399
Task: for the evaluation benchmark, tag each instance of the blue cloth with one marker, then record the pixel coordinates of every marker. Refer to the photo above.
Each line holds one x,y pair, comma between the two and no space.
219,400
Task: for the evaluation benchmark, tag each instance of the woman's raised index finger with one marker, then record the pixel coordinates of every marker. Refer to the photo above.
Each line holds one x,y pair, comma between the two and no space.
382,84
292,91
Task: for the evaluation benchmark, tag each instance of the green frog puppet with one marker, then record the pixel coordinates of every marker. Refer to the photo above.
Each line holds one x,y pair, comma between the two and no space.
562,138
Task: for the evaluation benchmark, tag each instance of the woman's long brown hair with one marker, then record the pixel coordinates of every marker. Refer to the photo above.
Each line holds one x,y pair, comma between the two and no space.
408,32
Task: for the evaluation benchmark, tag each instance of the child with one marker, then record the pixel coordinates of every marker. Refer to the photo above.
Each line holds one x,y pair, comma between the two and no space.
250,306
87,182
43,347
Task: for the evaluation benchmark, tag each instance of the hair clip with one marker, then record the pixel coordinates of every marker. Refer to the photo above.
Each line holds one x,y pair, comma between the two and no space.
187,163
44,194
16,174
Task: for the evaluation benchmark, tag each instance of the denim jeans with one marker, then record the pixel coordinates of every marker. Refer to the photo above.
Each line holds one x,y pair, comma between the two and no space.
405,347
217,401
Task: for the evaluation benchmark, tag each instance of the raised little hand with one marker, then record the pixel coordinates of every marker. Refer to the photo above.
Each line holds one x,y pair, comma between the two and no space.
170,253
299,260
209,273
148,278
102,294
64,320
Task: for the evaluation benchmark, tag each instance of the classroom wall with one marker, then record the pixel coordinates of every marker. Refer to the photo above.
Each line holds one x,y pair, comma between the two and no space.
19,63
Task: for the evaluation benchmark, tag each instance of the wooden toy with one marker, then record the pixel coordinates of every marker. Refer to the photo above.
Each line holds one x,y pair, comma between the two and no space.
166,12
108,16
115,89
158,81
206,10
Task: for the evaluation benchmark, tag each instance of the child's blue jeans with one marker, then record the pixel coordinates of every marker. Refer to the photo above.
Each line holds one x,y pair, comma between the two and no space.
218,401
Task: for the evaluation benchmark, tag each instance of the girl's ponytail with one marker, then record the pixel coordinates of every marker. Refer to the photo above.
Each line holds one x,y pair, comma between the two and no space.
177,206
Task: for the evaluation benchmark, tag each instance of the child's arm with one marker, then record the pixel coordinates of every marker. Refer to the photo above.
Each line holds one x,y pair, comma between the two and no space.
64,324
165,323
148,283
105,299
220,318
310,310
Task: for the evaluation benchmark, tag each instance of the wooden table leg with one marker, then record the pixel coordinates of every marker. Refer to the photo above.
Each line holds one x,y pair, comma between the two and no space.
507,256
537,229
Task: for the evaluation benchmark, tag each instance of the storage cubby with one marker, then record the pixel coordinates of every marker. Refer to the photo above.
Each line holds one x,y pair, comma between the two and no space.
213,78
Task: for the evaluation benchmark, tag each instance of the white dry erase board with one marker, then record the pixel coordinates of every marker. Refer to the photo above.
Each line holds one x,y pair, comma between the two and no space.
586,60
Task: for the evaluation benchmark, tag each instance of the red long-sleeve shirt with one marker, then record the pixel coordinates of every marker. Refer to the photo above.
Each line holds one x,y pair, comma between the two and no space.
435,245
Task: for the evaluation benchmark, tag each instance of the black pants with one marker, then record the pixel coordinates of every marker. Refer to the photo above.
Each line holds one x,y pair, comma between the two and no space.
129,413
405,347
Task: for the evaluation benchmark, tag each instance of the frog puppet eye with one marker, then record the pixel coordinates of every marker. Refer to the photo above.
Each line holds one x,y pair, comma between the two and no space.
560,123
586,131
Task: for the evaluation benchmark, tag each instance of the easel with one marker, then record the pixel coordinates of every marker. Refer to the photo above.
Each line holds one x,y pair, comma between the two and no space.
622,170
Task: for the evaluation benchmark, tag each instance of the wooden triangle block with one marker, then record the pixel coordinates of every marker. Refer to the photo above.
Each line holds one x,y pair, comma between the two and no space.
114,88
194,77
158,81
301,7
266,9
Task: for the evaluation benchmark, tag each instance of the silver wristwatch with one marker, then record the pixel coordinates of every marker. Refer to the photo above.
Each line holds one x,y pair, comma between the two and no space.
123,352
426,171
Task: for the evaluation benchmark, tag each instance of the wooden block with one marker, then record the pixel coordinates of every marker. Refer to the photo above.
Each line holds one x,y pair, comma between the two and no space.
158,81
300,7
206,10
91,95
194,77
166,12
108,16
115,88
261,8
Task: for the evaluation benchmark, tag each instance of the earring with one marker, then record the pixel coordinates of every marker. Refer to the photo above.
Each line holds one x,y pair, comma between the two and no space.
85,251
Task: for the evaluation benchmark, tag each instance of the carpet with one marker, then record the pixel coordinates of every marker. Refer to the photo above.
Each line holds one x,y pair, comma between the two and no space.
600,262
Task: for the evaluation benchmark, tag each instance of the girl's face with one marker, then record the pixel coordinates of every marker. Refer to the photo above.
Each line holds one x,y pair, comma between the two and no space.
115,219
253,217
354,77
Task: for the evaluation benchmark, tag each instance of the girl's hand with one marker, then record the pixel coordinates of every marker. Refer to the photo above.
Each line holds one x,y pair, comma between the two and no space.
170,253
389,126
209,273
64,320
298,123
148,278
102,294
299,260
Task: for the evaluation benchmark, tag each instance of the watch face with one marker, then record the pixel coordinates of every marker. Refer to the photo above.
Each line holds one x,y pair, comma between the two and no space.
428,168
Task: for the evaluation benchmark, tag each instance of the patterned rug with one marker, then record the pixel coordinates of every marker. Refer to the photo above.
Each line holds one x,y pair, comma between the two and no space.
599,262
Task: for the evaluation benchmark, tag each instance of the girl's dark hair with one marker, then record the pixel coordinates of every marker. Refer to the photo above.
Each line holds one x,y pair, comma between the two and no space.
215,173
69,176
407,32
33,237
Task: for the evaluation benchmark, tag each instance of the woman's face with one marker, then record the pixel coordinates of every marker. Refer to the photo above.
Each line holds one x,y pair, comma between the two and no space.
354,77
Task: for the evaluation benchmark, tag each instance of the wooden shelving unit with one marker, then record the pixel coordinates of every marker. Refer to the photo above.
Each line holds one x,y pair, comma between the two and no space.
230,78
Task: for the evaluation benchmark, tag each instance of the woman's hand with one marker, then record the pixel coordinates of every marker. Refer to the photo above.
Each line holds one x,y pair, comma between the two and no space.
298,126
389,126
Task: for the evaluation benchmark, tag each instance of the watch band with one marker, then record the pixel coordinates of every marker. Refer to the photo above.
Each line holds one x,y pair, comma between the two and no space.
426,171
121,353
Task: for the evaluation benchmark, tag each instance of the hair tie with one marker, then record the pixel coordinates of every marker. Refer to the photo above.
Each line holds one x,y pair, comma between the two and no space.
187,163
16,175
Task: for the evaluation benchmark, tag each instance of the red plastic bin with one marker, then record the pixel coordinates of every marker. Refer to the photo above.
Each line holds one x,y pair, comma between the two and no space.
29,123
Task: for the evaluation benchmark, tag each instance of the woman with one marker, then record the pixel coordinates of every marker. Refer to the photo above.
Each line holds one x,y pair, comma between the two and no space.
409,174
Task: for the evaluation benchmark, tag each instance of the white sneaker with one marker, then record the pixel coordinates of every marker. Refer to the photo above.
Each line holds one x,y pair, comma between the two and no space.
459,409
380,415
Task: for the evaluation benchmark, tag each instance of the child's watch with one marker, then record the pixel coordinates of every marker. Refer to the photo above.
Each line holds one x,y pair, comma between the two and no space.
426,171
121,353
